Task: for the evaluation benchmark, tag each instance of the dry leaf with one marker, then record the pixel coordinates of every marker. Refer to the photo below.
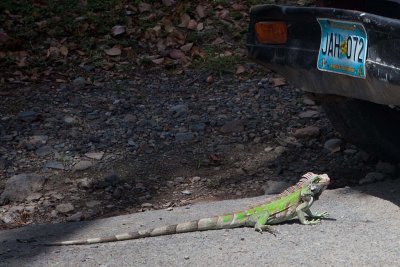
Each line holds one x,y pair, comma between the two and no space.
161,45
168,2
158,61
184,61
200,26
218,41
167,24
197,51
157,30
187,47
115,51
223,14
117,30
240,69
175,37
97,83
200,10
169,28
83,27
170,41
53,51
215,157
210,79
108,66
176,54
64,51
278,81
239,7
192,25
22,62
185,18
3,37
143,7
227,53
41,24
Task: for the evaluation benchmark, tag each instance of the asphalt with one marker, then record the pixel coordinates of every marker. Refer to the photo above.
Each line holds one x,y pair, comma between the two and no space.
363,230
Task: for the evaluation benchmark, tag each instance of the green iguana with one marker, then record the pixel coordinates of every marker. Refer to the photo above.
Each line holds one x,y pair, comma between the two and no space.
294,201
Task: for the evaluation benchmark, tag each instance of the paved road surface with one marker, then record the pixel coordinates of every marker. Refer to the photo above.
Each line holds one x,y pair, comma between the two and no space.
364,231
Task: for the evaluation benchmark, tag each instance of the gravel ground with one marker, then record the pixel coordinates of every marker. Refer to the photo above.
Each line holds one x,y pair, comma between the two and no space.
71,152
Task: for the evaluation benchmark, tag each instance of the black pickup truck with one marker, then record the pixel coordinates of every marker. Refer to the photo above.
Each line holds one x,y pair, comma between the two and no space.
346,54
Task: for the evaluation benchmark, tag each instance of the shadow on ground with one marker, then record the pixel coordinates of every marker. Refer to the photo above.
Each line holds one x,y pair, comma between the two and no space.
25,242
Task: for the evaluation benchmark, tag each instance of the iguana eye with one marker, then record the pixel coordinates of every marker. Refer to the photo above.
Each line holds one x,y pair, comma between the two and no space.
317,180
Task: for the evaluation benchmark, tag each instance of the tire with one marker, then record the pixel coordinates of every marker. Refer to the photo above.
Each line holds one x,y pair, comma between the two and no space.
372,127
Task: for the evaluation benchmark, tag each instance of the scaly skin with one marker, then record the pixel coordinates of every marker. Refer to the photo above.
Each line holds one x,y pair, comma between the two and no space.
293,202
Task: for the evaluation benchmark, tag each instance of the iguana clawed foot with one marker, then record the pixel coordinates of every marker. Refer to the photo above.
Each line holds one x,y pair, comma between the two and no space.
316,218
266,228
321,215
313,221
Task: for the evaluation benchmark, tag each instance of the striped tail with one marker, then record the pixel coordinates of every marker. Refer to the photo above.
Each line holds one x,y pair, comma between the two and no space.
211,223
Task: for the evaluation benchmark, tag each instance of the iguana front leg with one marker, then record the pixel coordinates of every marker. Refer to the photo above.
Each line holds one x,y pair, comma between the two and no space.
301,211
317,215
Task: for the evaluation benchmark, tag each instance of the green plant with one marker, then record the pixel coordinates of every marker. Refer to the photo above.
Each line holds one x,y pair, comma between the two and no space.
216,61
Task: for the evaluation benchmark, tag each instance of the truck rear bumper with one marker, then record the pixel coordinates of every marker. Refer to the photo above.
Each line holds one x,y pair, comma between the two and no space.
297,59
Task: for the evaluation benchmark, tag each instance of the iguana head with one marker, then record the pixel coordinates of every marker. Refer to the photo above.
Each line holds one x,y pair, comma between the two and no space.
314,184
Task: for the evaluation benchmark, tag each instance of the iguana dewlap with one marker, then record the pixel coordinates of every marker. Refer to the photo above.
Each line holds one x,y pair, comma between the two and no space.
293,202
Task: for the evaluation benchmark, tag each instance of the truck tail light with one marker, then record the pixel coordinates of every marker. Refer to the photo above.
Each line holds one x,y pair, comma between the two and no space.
271,32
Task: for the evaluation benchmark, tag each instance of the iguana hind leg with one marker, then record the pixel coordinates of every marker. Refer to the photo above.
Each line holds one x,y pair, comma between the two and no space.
261,225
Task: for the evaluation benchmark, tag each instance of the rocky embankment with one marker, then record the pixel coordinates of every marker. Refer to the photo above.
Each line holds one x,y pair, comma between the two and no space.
78,151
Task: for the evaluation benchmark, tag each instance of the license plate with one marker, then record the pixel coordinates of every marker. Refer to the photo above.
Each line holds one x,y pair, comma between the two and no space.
343,47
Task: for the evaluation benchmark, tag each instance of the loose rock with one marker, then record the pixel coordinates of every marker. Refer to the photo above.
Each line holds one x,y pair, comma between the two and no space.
70,120
85,183
147,205
44,151
186,192
75,217
95,155
54,165
233,126
92,203
9,217
82,165
36,141
372,177
307,132
309,114
333,145
179,110
195,179
65,208
34,196
20,186
79,82
182,137
28,116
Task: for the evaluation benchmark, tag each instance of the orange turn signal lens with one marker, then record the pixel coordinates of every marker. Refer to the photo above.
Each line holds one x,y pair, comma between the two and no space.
271,32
